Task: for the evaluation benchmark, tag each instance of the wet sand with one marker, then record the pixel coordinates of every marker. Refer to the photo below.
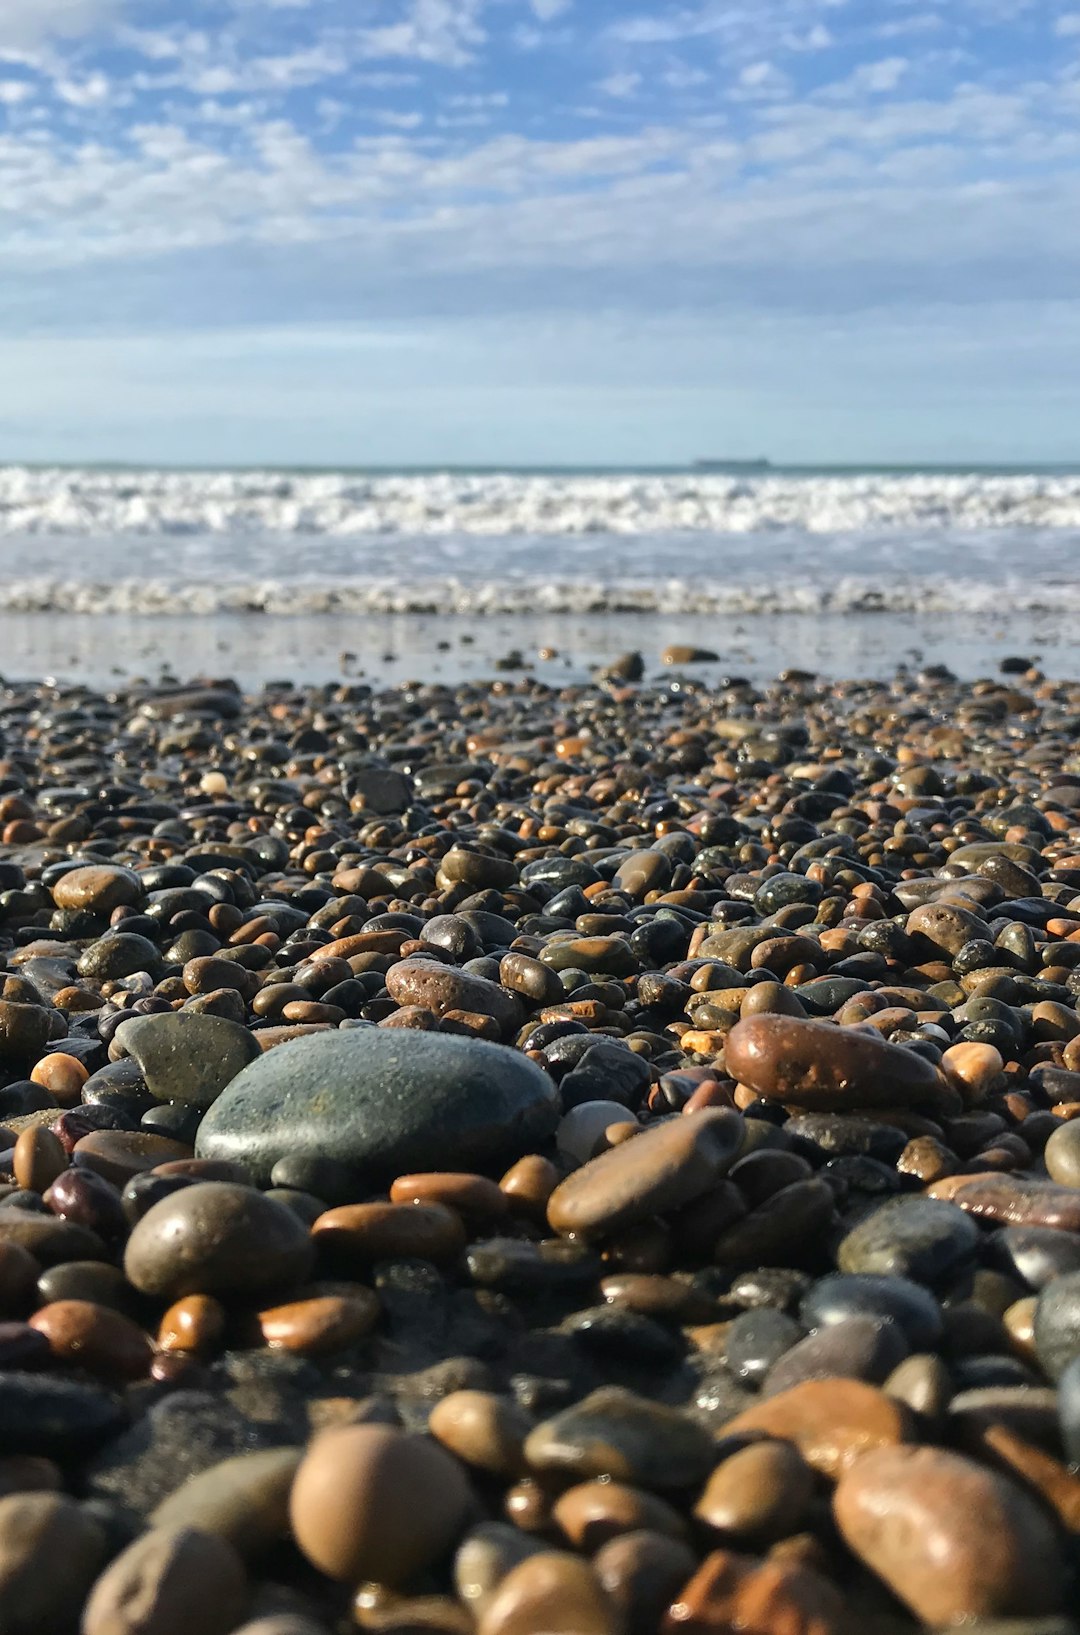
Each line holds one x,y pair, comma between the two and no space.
97,649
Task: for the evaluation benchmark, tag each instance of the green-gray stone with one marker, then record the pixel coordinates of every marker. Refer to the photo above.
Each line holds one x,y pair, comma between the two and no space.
188,1057
388,1101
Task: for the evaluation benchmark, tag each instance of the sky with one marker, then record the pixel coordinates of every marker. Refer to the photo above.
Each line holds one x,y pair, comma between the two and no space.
539,231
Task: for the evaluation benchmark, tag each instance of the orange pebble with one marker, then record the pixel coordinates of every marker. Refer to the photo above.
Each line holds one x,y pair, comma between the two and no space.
62,1076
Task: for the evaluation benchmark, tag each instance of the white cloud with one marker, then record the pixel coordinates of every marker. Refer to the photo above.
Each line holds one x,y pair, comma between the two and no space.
15,91
879,77
619,85
445,32
480,99
547,10
91,92
763,79
397,122
1067,25
681,77
25,24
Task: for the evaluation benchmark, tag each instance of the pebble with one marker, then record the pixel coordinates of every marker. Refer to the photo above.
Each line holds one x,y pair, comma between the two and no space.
907,1513
351,1096
736,1592
642,1573
216,1238
51,1550
168,1581
95,1338
833,1422
187,1057
371,1502
244,1500
757,1495
922,1239
552,1591
484,1430
615,1434
822,1068
666,1166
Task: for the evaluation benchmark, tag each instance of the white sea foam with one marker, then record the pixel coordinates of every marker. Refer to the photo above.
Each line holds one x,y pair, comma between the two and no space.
283,597
95,502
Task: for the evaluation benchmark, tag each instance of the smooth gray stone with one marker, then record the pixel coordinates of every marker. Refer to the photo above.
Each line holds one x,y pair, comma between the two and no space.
185,1056
387,1101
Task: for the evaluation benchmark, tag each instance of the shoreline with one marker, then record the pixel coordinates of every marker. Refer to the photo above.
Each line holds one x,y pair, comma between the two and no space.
99,649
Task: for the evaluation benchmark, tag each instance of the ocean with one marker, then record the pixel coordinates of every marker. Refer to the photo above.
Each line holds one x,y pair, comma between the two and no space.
317,574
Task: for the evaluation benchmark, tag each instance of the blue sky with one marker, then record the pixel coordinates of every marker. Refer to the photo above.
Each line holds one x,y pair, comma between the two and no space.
384,231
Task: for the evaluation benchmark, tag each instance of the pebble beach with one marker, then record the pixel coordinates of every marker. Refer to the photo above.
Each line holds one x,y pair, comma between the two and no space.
541,1154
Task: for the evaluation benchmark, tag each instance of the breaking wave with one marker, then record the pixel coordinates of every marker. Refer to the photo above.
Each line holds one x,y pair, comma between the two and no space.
99,503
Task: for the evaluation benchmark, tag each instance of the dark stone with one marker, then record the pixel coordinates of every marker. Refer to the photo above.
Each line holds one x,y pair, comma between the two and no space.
388,1101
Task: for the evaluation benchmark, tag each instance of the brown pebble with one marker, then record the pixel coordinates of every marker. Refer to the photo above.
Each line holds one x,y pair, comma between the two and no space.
62,1076
102,1341
473,1196
668,1165
832,1422
170,1581
38,1159
592,1513
320,1324
194,1324
120,1154
758,1495
552,1592
529,1184
907,1513
359,1234
51,1550
483,1429
824,1068
372,1502
738,1593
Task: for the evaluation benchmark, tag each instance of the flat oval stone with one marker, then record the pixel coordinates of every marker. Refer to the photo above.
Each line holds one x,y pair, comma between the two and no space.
185,1056
244,1500
923,1239
833,1422
858,1347
553,1591
51,1550
669,1164
102,1341
320,1324
168,1580
98,888
358,1235
217,1238
389,1102
826,1068
907,1513
614,1433
442,988
1012,1200
759,1494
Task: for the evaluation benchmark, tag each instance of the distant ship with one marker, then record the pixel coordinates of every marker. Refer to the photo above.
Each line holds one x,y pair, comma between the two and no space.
733,465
